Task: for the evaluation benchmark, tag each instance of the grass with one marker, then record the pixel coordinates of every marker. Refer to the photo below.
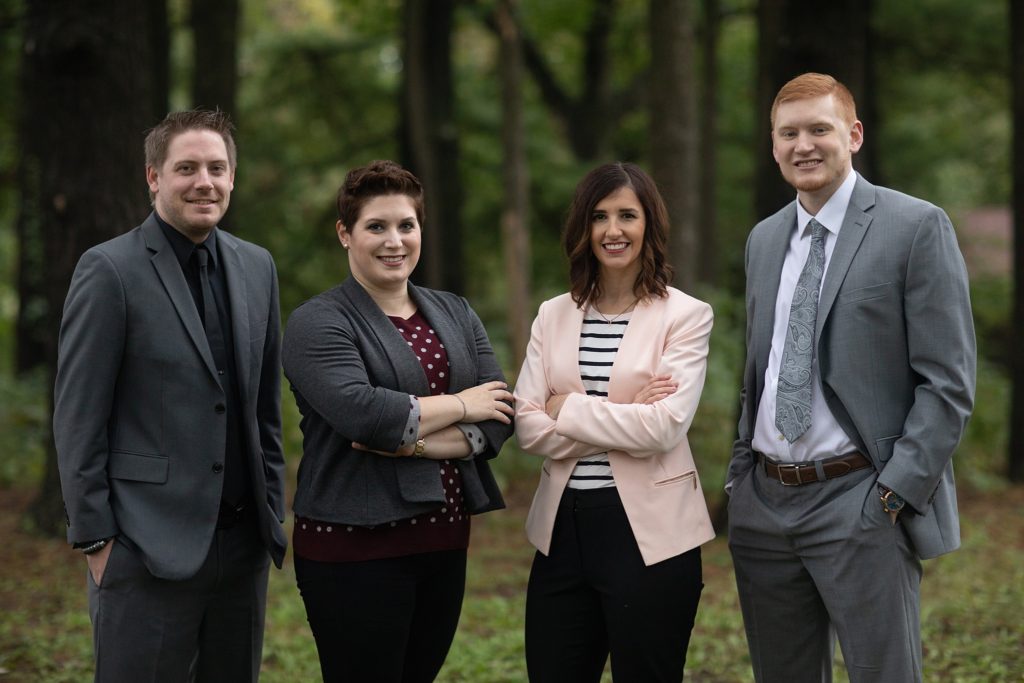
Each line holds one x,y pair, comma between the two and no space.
971,605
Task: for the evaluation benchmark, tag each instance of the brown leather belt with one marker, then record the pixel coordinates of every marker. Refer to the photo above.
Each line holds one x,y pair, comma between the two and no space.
798,474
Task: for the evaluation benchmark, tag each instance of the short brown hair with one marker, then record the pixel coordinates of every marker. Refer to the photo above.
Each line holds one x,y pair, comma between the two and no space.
584,271
810,85
158,139
373,180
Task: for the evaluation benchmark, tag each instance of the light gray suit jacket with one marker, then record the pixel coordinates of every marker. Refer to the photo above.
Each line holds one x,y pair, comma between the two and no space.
895,347
138,419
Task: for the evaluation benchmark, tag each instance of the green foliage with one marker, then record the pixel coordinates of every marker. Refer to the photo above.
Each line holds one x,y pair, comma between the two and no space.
24,429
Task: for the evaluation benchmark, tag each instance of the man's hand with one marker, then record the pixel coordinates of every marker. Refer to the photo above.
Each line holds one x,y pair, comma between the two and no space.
97,562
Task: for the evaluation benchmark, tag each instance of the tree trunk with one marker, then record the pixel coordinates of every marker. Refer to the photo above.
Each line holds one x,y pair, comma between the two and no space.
515,229
674,128
832,39
87,65
1015,469
708,145
215,68
429,116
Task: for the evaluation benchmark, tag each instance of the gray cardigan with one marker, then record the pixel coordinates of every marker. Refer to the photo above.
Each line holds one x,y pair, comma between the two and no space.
352,373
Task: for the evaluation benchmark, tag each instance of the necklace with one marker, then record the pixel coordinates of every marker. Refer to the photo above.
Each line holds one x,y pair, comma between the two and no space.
617,316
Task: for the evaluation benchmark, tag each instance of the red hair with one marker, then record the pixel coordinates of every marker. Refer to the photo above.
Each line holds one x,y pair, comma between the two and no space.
810,85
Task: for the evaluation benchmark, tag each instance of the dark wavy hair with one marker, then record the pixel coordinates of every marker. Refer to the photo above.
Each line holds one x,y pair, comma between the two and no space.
584,271
375,179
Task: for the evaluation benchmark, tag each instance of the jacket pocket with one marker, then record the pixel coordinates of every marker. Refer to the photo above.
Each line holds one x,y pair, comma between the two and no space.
863,293
884,447
685,477
138,467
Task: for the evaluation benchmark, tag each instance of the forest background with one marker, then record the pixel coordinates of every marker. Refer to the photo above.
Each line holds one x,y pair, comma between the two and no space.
501,106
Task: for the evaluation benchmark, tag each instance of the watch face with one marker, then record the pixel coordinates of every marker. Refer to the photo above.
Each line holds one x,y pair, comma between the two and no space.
892,502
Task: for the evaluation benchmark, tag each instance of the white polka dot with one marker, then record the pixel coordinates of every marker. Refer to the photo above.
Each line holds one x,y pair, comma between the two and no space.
409,343
431,331
456,470
423,350
430,341
418,327
394,523
413,521
443,510
414,336
348,528
433,386
437,355
418,358
433,519
440,374
318,528
451,500
451,481
303,526
430,366
442,346
330,529
458,490
451,519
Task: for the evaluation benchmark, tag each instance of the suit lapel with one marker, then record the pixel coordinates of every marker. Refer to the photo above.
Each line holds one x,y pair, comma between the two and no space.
408,373
235,275
855,225
567,346
169,271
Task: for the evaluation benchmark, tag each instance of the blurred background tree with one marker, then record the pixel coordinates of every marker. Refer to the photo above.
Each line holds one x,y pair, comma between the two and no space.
500,106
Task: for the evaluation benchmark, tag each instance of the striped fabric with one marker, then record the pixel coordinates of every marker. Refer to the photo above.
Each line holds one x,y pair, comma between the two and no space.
599,342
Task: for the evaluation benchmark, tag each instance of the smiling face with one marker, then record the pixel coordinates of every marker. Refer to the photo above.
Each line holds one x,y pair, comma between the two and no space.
384,244
814,147
617,227
192,187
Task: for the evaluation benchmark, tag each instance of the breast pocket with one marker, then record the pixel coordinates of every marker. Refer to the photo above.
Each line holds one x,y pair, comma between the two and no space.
863,294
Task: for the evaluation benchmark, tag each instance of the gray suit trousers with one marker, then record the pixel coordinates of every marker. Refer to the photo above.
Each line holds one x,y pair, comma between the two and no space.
823,560
205,629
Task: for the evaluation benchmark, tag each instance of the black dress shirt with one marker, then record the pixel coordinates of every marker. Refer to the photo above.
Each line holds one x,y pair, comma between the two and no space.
236,472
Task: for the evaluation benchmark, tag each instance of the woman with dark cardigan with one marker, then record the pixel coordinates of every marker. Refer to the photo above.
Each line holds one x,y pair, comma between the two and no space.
402,403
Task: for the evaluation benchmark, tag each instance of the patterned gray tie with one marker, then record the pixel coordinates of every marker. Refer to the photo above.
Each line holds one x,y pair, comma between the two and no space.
793,403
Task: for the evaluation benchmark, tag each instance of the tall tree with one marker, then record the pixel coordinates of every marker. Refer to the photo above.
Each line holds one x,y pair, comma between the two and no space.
515,228
795,37
589,117
87,67
215,69
708,145
431,135
673,128
1015,468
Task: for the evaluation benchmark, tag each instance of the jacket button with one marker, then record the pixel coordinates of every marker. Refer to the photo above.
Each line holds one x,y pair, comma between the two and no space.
218,467
219,408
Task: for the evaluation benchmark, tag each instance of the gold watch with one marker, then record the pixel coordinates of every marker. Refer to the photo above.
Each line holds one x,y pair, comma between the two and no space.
421,446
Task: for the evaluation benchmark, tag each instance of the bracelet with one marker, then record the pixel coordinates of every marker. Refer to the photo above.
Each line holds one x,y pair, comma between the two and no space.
459,399
95,546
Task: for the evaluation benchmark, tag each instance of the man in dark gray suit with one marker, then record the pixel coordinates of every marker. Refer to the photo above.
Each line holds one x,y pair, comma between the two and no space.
167,424
858,384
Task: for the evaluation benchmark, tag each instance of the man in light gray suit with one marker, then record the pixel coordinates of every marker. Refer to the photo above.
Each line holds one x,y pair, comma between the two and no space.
858,384
167,424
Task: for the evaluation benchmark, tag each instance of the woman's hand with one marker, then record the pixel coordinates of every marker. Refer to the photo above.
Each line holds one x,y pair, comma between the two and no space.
488,401
554,405
659,387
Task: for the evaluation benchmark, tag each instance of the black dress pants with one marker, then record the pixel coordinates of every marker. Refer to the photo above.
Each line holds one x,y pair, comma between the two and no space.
593,595
383,621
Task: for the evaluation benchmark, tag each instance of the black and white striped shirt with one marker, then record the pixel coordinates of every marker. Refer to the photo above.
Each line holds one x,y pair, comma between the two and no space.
599,342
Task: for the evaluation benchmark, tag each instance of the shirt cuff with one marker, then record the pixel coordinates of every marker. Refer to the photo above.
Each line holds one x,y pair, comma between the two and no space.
412,426
475,436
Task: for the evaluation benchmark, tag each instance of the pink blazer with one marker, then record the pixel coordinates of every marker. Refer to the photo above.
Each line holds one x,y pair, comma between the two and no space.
647,447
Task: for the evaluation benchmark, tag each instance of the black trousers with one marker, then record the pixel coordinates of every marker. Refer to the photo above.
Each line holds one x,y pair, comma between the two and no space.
383,621
593,595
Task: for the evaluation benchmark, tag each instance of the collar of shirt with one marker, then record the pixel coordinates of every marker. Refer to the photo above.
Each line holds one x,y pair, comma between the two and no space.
183,246
832,214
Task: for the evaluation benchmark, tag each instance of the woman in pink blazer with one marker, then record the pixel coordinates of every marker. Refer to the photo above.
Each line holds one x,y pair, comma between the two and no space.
610,384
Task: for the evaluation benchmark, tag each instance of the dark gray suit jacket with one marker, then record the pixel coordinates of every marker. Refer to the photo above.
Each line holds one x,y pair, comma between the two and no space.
352,374
895,347
139,420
